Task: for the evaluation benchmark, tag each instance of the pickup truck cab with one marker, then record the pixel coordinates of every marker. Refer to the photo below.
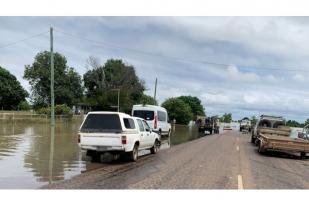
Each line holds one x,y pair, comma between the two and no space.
116,133
245,124
267,123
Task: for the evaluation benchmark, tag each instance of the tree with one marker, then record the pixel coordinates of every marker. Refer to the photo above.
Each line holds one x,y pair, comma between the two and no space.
227,118
24,106
293,123
146,99
178,109
68,87
11,92
101,82
195,104
306,122
253,120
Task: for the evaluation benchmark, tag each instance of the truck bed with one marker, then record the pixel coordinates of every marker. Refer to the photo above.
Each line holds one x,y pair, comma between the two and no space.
281,131
283,143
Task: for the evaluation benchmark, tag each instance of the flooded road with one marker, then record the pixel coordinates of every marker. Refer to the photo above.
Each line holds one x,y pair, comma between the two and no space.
30,156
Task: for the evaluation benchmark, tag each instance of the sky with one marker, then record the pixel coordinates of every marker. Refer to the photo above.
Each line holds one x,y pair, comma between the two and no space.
260,62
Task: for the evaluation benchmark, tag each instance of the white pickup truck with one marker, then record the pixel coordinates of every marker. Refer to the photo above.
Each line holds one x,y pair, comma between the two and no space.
116,133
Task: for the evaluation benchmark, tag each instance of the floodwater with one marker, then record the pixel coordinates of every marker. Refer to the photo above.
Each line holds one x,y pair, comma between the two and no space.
31,156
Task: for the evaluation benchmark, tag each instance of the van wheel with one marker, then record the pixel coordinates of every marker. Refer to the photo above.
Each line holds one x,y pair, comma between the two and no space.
155,147
134,154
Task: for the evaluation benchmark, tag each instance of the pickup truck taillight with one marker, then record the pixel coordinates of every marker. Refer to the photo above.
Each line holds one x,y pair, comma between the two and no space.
155,122
123,139
78,138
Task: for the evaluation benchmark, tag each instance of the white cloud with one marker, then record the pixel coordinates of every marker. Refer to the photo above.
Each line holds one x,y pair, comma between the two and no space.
299,77
215,99
244,42
236,75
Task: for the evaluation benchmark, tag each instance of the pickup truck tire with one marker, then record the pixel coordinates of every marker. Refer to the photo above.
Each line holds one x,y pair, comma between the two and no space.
303,155
155,147
257,142
133,155
261,149
252,139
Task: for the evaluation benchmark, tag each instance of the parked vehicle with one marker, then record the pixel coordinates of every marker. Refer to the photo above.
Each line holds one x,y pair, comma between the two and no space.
267,123
245,125
304,134
155,116
216,121
270,133
205,124
116,133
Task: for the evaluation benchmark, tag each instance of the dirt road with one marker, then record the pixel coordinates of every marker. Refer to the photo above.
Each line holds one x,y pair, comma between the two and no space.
224,161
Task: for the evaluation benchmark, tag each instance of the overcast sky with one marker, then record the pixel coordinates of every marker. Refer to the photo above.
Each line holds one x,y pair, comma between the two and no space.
265,59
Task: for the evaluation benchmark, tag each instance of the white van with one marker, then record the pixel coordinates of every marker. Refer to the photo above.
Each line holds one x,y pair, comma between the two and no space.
156,117
116,133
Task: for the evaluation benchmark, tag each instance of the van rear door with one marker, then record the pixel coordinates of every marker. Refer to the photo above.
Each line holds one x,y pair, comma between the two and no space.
147,115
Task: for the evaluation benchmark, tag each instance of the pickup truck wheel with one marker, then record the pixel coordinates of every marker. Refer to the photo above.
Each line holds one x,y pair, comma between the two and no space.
303,155
134,154
257,142
155,147
169,134
261,149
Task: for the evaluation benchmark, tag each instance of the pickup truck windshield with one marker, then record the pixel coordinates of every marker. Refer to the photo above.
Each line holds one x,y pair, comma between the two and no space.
102,123
147,115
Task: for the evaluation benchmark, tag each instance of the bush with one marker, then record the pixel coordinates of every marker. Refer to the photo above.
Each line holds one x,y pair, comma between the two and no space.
178,109
61,109
24,105
44,110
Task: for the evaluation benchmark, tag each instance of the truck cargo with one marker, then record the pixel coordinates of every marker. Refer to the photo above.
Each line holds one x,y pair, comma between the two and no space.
270,133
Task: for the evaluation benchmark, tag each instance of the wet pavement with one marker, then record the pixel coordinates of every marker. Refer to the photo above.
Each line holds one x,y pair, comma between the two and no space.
224,161
30,156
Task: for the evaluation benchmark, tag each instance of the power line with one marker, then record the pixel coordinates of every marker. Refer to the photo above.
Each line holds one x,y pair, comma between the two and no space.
22,40
178,58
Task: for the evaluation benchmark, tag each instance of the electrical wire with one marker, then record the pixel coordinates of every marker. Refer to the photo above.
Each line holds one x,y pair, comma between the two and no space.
22,40
177,58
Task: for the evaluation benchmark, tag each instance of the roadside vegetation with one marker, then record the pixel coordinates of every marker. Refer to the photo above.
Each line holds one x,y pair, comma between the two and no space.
226,118
12,94
96,89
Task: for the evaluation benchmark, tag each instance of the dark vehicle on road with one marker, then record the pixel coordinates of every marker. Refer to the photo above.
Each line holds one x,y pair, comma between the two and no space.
205,124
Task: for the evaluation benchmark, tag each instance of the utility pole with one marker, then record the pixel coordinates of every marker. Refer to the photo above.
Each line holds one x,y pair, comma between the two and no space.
155,91
118,98
52,95
118,106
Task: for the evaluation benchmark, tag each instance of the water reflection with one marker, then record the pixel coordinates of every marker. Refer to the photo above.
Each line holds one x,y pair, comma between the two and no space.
35,154
51,153
183,133
55,154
